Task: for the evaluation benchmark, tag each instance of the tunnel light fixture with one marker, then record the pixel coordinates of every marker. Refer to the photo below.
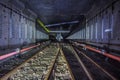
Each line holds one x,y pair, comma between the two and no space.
43,26
108,30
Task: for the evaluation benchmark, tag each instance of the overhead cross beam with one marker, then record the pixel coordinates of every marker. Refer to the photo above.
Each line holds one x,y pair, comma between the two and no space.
43,26
61,31
72,22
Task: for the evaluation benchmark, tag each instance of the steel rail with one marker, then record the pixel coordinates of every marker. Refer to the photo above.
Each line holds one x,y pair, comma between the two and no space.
81,63
50,71
60,51
112,77
73,78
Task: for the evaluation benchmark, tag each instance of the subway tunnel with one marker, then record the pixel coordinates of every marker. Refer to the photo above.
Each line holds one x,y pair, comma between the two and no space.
59,39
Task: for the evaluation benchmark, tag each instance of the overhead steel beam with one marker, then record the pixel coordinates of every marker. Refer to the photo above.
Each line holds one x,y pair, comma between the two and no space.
59,31
72,22
43,26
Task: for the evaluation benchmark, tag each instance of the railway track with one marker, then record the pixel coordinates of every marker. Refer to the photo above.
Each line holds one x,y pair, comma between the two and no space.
61,69
41,66
36,67
77,69
59,62
11,63
100,63
86,68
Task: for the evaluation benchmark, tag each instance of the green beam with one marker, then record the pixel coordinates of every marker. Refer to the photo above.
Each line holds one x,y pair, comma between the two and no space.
43,26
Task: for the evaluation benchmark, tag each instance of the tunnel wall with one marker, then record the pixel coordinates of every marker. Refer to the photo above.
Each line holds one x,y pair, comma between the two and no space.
40,35
17,26
102,28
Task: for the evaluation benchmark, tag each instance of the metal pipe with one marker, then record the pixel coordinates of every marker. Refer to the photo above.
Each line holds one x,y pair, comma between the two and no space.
104,53
17,52
117,58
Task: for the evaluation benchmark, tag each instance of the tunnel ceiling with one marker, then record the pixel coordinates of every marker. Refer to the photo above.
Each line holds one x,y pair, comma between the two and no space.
57,11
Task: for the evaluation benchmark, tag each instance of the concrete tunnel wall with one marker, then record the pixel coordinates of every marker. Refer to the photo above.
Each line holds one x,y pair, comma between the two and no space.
18,26
102,28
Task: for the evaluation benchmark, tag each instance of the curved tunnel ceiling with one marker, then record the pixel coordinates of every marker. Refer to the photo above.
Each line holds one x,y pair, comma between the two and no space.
55,11
58,11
